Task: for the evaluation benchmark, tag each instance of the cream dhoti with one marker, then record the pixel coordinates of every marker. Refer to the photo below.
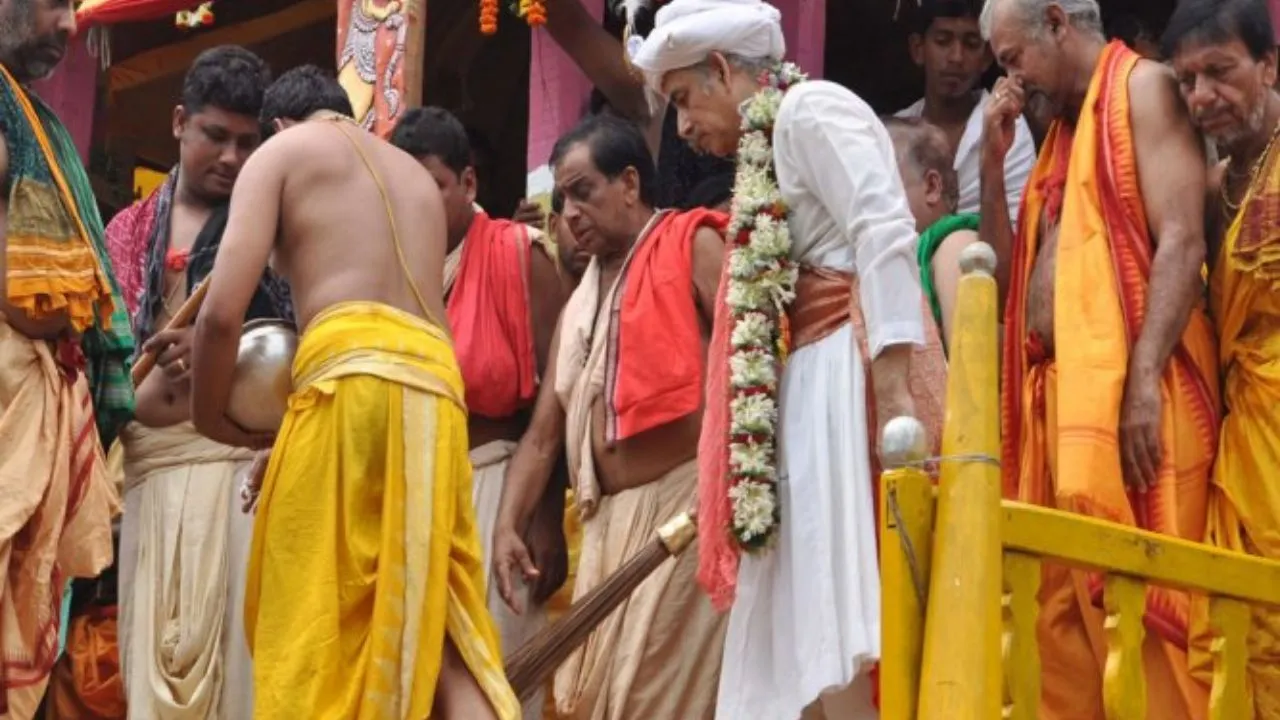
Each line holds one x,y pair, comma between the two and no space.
658,654
184,545
489,467
55,521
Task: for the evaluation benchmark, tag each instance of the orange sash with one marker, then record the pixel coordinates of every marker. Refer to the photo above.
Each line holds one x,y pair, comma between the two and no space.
1103,233
491,319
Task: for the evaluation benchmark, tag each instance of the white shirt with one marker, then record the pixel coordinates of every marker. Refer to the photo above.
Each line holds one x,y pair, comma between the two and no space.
968,163
838,172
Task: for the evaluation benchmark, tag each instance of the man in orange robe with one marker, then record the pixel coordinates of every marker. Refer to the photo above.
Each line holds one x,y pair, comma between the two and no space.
1118,418
502,298
1240,113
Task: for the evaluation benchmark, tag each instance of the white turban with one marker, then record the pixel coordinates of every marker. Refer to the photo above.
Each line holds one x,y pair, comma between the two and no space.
686,31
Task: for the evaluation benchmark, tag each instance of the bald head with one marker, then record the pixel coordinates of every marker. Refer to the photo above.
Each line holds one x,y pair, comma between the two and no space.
927,166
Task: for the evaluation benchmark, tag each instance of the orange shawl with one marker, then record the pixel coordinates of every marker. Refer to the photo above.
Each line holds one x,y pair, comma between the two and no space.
1104,228
654,366
490,316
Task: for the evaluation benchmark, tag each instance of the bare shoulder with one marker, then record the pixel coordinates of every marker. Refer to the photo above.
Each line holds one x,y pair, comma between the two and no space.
708,236
959,240
1153,99
708,258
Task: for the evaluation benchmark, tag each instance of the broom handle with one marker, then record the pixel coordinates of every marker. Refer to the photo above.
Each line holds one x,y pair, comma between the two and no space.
147,360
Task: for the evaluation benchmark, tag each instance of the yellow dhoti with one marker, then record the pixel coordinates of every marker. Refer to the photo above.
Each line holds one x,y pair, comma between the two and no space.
55,520
183,546
1244,499
365,552
489,464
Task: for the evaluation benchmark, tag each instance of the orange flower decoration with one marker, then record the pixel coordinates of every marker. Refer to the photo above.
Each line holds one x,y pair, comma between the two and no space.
488,16
536,14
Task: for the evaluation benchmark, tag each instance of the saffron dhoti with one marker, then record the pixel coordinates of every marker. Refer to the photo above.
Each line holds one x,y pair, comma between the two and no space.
1244,498
365,551
1060,414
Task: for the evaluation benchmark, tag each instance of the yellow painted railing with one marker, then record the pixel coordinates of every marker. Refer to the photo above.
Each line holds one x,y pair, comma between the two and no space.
961,566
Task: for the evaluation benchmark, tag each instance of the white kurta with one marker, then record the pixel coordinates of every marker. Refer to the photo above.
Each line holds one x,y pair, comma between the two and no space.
968,164
806,619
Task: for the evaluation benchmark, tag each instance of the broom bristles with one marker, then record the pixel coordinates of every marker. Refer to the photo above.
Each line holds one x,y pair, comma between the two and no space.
528,667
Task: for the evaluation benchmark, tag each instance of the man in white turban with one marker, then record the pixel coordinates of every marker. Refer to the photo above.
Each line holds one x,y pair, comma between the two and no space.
804,628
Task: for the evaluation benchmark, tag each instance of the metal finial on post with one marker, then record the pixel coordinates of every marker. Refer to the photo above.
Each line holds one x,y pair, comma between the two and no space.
978,258
903,442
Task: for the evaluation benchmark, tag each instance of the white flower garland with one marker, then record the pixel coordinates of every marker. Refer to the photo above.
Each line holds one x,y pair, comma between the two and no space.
762,282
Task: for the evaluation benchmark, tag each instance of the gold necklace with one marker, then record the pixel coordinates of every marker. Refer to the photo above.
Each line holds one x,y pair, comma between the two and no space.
1234,207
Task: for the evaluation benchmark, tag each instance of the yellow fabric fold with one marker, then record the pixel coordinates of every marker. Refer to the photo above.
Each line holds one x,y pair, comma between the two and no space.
1244,499
365,551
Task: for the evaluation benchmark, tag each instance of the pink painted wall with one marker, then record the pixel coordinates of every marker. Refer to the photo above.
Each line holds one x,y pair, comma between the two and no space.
558,90
1275,18
557,93
71,92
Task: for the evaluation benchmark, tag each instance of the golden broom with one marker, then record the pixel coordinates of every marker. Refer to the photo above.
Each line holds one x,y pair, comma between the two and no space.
528,667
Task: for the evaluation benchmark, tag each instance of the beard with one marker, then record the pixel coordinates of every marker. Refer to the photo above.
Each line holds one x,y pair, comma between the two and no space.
27,55
1250,127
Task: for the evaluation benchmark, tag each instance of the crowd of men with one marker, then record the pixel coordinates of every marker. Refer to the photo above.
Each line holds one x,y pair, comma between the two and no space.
491,417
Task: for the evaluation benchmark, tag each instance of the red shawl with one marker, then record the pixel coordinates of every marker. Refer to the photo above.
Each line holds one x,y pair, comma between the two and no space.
127,236
491,319
655,358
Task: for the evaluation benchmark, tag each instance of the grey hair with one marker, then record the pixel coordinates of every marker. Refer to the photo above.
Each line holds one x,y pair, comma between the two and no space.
1084,15
749,65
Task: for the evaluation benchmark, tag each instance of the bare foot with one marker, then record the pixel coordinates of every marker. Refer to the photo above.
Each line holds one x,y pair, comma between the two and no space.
458,695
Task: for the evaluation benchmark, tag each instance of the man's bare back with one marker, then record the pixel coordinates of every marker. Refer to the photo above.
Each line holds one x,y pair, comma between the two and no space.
336,243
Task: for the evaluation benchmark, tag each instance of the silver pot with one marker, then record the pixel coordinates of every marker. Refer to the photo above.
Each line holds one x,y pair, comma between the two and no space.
263,377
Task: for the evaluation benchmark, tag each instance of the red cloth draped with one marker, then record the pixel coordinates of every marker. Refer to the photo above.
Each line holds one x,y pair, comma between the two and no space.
106,12
655,361
127,236
491,319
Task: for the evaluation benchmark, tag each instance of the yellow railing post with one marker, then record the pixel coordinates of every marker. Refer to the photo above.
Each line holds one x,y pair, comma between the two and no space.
961,676
906,539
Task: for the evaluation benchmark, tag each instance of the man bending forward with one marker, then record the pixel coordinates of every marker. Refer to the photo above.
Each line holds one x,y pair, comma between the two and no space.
352,611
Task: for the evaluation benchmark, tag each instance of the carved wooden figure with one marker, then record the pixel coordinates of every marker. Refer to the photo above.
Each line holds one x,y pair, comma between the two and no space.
379,53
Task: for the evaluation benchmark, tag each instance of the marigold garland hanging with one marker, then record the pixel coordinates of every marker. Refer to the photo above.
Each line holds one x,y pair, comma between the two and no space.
534,12
488,16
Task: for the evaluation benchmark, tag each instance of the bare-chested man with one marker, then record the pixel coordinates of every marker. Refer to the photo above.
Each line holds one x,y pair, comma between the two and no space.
1110,386
625,392
182,511
365,585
